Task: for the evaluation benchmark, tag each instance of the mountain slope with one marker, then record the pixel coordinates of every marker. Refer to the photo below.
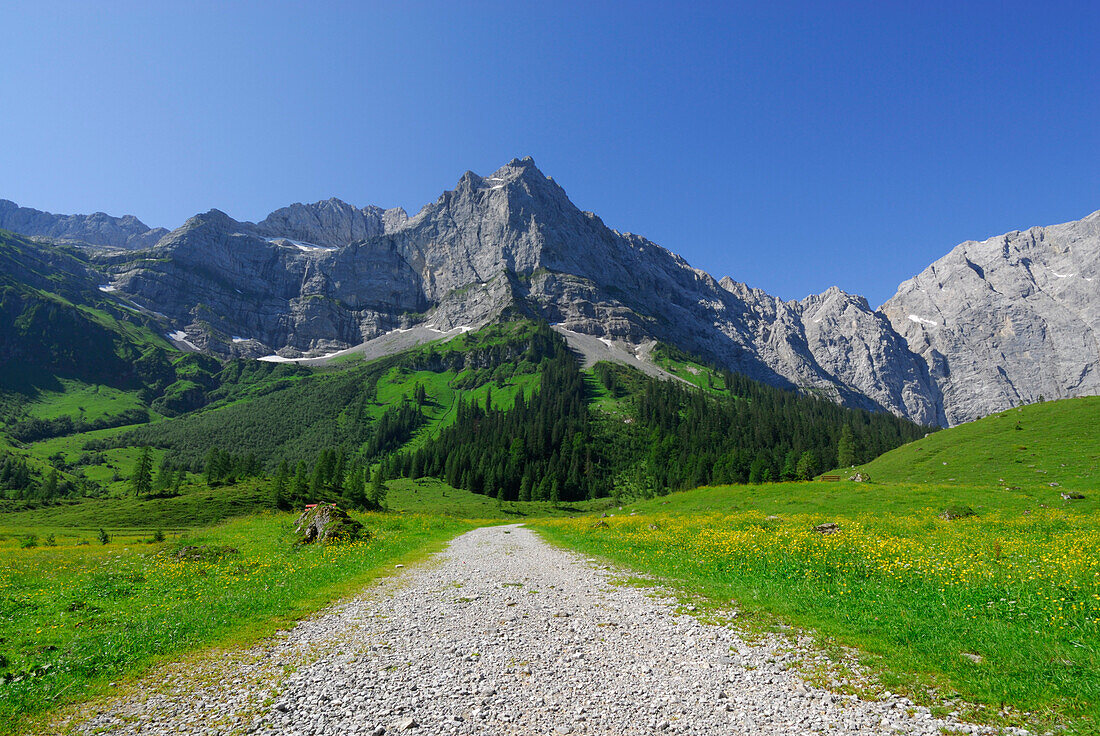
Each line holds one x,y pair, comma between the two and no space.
508,243
1008,320
1050,446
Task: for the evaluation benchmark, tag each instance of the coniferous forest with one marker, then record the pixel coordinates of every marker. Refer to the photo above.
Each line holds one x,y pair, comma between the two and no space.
554,446
565,434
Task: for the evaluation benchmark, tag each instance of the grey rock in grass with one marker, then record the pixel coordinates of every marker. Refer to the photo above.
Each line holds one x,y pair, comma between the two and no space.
326,524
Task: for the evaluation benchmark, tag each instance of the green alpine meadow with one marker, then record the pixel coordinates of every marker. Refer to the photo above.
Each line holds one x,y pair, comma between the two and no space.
366,423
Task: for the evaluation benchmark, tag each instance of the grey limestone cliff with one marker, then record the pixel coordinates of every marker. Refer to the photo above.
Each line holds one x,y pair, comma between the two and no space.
1008,320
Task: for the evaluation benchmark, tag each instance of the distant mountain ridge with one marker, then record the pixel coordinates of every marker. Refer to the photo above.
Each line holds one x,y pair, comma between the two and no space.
313,279
95,229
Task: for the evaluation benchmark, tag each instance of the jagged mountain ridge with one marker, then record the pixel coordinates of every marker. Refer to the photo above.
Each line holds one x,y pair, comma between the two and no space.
509,241
311,279
95,229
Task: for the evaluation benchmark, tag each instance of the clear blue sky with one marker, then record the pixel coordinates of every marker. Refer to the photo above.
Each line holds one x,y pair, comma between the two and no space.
785,144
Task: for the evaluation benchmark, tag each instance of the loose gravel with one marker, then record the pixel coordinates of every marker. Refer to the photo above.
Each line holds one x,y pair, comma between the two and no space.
503,634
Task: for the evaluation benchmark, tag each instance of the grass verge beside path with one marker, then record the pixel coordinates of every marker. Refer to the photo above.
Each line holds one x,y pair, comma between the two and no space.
74,618
1020,594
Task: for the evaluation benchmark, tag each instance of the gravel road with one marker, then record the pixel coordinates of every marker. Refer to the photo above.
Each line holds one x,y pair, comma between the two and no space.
501,634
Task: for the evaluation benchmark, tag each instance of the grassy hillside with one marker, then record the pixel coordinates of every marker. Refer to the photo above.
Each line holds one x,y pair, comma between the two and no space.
1029,447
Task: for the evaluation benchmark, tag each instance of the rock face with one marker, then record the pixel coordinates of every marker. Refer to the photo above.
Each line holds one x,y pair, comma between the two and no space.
327,524
989,326
96,229
1008,320
331,223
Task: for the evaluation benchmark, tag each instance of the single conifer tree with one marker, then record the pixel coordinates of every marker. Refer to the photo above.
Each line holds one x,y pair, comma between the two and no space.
141,482
164,475
807,465
846,447
49,487
279,487
212,467
301,483
378,489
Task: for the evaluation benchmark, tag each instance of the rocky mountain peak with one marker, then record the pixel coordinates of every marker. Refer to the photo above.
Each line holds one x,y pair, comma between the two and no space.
330,223
990,325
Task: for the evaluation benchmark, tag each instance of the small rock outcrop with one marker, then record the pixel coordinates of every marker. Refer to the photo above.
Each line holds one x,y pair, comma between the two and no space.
827,528
327,524
956,512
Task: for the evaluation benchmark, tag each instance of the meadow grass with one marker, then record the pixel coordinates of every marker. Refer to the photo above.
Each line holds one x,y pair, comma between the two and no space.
197,505
1021,590
433,496
74,618
81,400
1028,447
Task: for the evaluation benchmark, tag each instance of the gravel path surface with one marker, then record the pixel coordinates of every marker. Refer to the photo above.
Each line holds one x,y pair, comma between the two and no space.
501,634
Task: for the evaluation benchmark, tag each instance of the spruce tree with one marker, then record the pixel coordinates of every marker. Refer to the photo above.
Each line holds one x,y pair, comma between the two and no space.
141,483
49,488
212,466
790,466
319,481
846,447
301,483
279,487
807,465
164,475
378,489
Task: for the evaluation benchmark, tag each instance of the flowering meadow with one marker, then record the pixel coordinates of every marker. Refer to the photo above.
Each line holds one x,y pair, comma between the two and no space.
77,616
1000,608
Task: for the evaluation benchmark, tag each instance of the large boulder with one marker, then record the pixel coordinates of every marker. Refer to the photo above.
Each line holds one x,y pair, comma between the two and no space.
327,524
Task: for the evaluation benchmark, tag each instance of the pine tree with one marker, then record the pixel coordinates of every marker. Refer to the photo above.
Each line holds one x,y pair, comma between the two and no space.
164,475
49,488
319,480
301,483
278,491
378,489
141,483
807,465
846,447
790,466
212,467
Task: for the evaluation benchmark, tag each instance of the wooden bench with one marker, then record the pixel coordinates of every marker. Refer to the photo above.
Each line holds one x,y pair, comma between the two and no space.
830,477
